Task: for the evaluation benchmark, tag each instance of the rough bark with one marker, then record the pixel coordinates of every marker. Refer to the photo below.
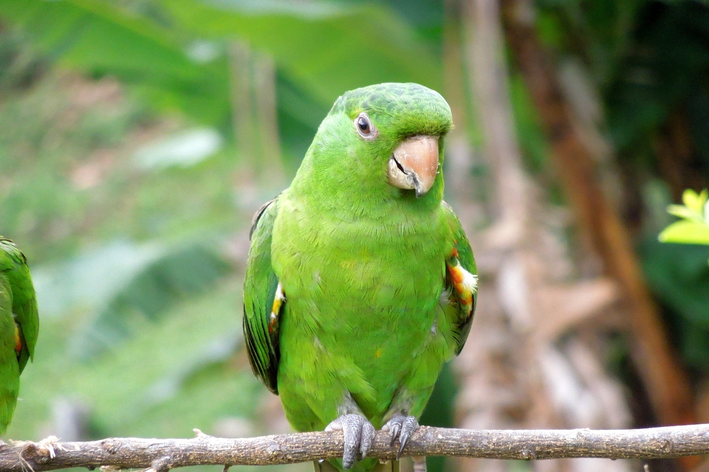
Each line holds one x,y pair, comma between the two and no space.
163,454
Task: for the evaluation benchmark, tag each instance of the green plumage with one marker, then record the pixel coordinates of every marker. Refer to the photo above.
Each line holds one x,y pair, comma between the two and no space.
370,313
19,325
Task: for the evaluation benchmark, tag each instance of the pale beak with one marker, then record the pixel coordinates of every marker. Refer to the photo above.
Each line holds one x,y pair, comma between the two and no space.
414,164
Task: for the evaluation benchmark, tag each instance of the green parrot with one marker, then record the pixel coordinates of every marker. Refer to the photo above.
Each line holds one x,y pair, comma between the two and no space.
19,325
360,282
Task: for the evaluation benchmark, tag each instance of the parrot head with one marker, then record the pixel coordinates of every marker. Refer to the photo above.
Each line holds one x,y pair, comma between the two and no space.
385,140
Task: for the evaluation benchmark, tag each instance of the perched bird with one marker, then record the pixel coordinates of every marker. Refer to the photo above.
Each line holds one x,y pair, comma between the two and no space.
360,282
19,325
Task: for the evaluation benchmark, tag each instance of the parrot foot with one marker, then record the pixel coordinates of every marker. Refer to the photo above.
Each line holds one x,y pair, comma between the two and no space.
401,427
359,434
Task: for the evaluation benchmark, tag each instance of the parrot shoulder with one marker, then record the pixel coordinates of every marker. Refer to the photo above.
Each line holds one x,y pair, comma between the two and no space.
461,281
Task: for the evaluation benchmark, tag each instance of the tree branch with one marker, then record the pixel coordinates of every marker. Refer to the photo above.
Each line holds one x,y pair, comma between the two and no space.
164,454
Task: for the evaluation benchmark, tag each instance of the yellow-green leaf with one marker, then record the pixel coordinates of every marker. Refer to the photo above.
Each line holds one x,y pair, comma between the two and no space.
686,232
695,201
681,211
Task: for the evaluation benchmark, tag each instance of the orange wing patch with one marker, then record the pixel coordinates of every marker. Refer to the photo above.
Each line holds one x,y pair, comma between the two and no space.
465,284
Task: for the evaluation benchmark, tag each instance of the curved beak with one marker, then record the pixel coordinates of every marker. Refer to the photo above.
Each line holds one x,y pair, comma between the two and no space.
414,164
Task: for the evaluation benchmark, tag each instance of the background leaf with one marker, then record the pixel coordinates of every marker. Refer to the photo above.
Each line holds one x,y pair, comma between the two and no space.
686,232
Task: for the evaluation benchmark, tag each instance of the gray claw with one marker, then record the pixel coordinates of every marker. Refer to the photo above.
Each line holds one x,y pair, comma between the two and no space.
401,427
358,434
394,428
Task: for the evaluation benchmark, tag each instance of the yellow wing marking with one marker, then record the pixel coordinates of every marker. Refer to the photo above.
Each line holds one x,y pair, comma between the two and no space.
278,300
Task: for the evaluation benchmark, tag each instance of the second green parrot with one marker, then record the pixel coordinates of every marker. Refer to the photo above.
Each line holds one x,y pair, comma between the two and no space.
19,325
360,281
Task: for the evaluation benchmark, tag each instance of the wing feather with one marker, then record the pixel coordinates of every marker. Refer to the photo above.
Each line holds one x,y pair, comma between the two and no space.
461,282
260,286
13,264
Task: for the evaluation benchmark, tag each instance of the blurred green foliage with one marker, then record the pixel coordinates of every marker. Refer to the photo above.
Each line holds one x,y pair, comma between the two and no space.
679,276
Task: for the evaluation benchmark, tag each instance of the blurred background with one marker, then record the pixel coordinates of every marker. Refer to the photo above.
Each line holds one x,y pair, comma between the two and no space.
137,138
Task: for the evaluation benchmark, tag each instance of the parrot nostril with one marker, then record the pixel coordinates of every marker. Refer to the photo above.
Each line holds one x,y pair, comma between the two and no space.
398,164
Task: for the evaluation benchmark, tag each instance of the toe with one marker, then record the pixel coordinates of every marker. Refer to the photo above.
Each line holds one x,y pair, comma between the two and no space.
408,428
401,427
358,435
367,437
393,426
395,430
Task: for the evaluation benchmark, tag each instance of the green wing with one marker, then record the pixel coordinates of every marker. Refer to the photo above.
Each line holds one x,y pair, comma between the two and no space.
260,286
19,324
14,267
460,303
9,370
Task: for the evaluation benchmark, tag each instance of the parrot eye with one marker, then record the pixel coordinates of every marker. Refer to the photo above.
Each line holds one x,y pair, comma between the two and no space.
364,127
